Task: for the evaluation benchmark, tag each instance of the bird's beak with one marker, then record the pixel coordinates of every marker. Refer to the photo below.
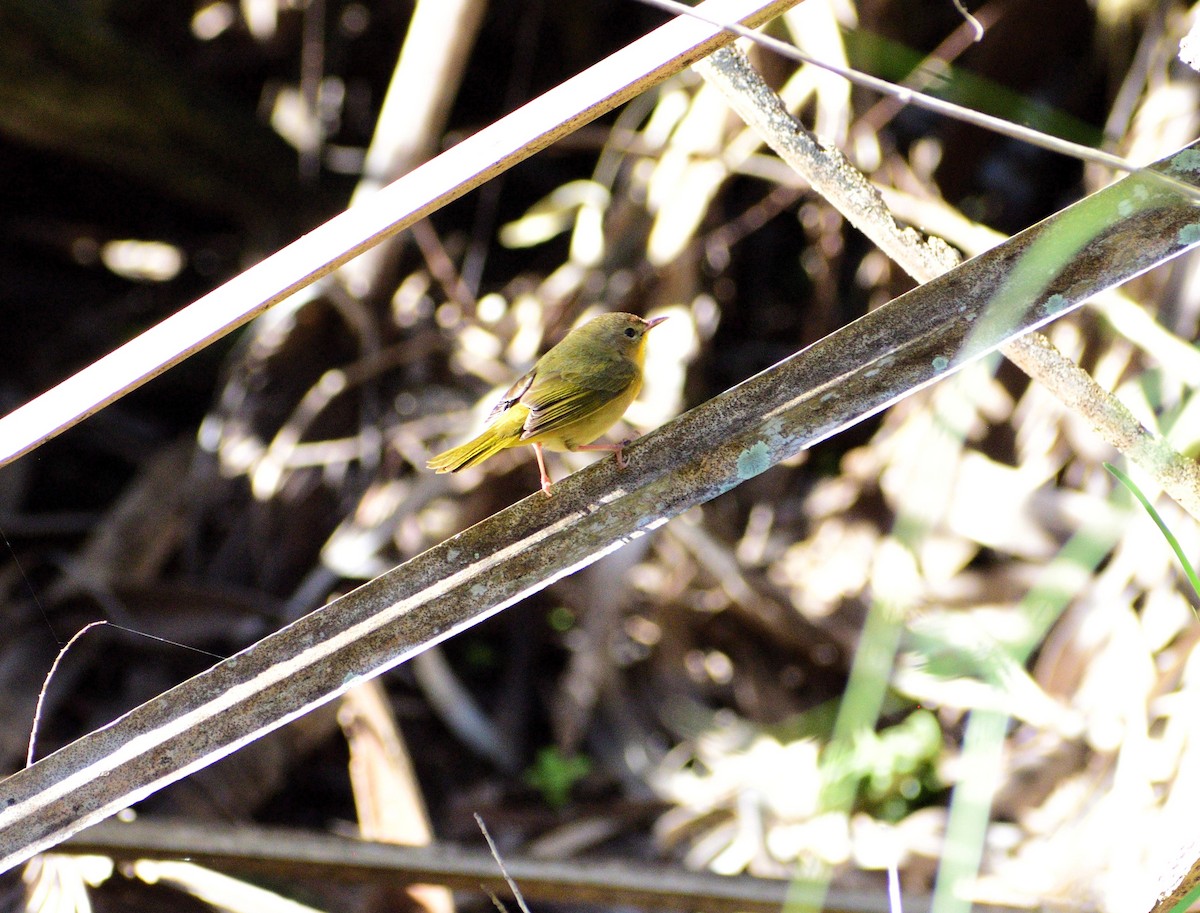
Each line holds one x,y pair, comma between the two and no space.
651,324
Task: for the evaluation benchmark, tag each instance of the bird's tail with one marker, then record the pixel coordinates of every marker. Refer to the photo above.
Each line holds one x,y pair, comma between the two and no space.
503,433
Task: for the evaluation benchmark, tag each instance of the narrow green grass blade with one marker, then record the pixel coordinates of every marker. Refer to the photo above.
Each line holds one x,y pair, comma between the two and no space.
1170,537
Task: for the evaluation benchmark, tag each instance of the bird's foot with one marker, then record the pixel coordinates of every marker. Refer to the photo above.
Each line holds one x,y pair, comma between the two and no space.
619,454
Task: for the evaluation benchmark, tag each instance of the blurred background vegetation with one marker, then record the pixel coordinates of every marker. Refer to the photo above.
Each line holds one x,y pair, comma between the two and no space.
962,557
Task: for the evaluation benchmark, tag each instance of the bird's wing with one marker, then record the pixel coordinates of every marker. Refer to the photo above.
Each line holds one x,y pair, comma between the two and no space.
560,399
513,395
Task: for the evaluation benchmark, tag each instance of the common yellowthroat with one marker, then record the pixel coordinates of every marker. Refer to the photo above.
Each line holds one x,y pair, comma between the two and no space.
574,393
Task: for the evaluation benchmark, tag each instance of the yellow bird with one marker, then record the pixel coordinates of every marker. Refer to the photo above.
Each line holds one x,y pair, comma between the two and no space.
574,393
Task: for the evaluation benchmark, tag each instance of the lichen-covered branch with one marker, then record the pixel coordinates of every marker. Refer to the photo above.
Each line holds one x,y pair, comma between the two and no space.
839,182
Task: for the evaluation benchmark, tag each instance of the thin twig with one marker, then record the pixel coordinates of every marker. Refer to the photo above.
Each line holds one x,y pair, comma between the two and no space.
37,712
512,885
974,23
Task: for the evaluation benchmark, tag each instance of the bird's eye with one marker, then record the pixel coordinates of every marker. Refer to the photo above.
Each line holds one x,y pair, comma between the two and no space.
630,332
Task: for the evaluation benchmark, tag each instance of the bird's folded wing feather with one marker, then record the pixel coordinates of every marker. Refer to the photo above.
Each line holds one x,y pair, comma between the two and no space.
513,394
561,398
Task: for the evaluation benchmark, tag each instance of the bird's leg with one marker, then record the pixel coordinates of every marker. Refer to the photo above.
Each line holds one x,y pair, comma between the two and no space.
617,449
546,483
